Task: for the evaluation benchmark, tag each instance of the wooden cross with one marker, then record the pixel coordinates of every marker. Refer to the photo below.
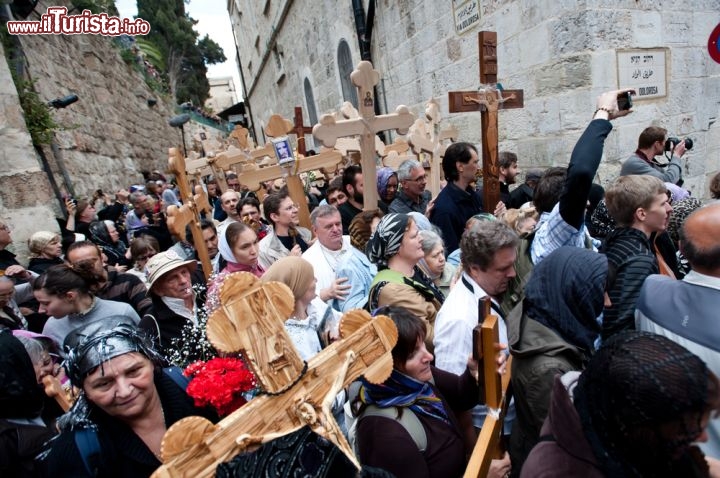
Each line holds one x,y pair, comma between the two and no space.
300,131
367,126
426,137
488,101
488,445
327,161
189,212
250,320
242,136
278,126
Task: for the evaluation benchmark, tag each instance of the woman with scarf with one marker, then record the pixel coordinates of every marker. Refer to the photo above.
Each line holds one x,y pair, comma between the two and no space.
555,330
308,323
238,249
45,250
105,235
23,431
387,186
127,404
396,249
637,410
414,387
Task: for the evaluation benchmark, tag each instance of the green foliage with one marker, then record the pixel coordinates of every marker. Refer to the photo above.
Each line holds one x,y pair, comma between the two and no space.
151,51
128,56
176,43
38,119
212,52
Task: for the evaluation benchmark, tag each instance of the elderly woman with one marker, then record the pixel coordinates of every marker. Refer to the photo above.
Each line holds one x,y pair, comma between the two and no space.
126,405
554,331
105,235
418,392
175,303
45,250
433,264
387,186
396,249
636,410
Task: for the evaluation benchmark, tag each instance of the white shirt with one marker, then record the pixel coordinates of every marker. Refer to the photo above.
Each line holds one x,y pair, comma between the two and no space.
454,326
324,262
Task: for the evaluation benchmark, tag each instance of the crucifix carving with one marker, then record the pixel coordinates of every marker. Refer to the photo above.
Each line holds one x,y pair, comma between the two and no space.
250,320
189,212
426,137
488,446
488,100
364,77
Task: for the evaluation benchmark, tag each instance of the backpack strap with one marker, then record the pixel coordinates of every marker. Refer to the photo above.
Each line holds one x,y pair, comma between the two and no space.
408,419
88,445
177,376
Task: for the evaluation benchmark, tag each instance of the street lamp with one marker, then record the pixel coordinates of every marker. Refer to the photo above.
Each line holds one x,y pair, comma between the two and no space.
179,121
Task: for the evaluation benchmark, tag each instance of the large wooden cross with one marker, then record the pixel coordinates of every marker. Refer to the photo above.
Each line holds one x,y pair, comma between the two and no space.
488,100
250,320
328,130
327,160
427,137
189,212
300,131
488,446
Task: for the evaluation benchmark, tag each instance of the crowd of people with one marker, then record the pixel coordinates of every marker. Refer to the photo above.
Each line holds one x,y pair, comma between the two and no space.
604,298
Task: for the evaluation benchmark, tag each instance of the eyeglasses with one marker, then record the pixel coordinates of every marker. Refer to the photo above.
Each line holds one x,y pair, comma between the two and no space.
291,207
419,179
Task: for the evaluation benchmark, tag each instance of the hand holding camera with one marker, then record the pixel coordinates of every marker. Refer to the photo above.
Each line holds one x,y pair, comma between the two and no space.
616,103
677,147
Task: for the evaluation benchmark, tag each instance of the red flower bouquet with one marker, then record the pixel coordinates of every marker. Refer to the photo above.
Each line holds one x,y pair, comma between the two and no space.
221,383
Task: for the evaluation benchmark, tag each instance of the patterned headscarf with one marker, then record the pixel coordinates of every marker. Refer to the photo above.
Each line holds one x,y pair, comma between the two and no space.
383,177
94,345
386,241
681,211
636,384
294,272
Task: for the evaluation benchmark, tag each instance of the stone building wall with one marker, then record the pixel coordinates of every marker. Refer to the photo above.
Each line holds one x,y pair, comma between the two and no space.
25,193
561,53
111,134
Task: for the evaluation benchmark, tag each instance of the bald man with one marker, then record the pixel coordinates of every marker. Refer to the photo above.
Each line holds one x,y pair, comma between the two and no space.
686,311
228,202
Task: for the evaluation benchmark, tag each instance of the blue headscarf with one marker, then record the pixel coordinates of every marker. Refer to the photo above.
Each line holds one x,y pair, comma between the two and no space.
401,390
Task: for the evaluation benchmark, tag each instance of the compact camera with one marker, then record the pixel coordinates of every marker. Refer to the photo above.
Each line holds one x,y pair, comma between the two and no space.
670,143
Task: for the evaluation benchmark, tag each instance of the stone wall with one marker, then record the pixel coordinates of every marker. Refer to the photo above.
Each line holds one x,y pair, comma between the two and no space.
561,53
111,134
25,193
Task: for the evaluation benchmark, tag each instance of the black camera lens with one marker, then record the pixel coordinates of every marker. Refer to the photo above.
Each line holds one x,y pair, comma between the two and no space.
670,143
